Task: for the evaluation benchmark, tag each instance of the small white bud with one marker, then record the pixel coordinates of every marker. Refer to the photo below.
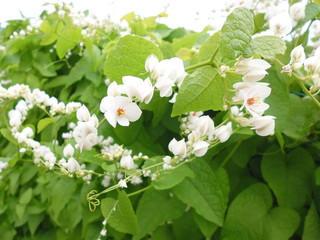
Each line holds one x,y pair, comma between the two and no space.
297,57
122,183
224,132
200,148
68,151
178,147
127,162
73,165
83,114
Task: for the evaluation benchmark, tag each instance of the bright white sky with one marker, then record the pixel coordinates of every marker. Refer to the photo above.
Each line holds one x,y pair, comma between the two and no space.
182,13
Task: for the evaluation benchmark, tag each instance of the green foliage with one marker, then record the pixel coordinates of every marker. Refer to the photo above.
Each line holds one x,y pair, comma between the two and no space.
236,33
246,188
128,58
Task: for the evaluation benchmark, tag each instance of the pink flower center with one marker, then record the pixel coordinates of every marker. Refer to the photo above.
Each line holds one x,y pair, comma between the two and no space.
120,112
252,101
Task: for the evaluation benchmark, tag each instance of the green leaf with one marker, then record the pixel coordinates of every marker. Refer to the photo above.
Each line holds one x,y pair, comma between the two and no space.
209,47
26,197
202,90
250,217
158,106
236,33
311,230
207,192
279,94
186,228
206,227
6,133
303,114
154,209
289,176
128,135
20,210
268,46
317,176
128,58
34,222
61,190
43,123
119,213
170,178
43,63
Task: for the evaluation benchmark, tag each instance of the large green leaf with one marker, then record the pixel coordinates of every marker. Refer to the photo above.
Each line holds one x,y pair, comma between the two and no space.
207,192
200,91
119,213
154,208
289,176
128,58
209,47
251,216
170,178
303,114
311,230
236,33
268,46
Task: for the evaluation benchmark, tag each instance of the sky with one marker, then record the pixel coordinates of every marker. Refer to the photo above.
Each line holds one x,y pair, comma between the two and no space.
182,13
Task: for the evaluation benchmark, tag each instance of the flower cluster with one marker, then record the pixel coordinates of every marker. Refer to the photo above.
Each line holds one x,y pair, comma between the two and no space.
167,74
200,132
250,94
120,105
311,66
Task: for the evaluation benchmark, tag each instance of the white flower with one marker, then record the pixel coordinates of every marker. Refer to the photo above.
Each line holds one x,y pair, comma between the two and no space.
280,24
151,65
83,114
253,98
85,135
200,148
122,183
28,132
297,57
114,90
224,132
264,125
15,118
312,64
68,151
136,87
178,147
252,69
127,162
167,160
297,11
173,69
205,126
164,85
73,165
120,110
103,232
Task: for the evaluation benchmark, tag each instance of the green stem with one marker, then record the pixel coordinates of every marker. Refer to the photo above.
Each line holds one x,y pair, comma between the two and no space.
195,66
231,153
139,191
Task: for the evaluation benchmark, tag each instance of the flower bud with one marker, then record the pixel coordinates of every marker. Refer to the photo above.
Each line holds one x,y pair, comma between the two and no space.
83,114
122,183
264,125
297,11
200,148
68,151
312,64
151,64
28,132
73,165
167,159
127,162
224,132
280,24
178,147
114,90
297,57
205,126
